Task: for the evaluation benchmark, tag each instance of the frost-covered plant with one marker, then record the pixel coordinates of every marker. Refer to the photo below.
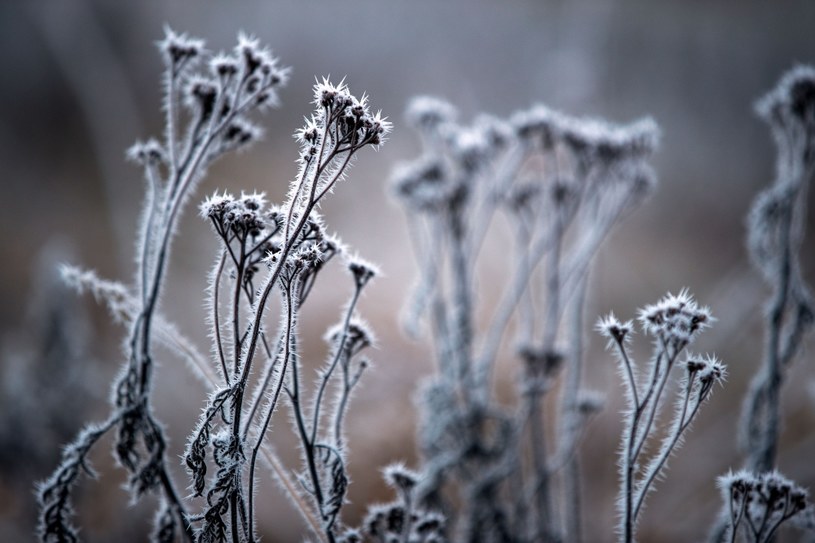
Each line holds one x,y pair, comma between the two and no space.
267,253
292,244
760,503
673,323
48,380
775,233
403,519
563,183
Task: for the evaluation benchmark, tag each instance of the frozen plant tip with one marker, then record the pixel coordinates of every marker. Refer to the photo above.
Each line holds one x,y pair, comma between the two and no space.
673,322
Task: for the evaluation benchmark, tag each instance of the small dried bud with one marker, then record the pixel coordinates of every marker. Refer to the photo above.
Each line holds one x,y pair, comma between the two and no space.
358,336
695,365
224,67
309,134
214,206
537,126
178,49
328,95
254,201
362,271
240,133
200,96
401,478
498,133
470,147
792,100
424,184
150,152
676,318
614,330
429,523
590,402
540,363
428,113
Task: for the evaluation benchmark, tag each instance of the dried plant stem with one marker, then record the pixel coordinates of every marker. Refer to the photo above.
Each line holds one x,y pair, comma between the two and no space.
570,419
461,328
762,400
315,423
540,489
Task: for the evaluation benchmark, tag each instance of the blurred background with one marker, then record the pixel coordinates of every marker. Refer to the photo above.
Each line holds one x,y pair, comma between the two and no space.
80,83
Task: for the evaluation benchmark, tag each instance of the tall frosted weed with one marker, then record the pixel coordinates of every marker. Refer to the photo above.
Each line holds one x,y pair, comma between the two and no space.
268,254
775,232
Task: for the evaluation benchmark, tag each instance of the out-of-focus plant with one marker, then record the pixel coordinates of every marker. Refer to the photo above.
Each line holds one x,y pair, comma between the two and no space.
759,504
563,183
49,381
775,233
268,254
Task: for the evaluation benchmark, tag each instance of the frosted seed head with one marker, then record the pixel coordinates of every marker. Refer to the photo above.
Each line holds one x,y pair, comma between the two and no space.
200,93
798,498
792,100
150,152
375,520
615,330
358,336
610,143
708,367
362,271
252,56
470,147
378,129
328,95
638,139
224,67
429,523
401,478
178,49
538,125
583,136
423,184
395,519
214,206
428,113
498,133
737,485
541,363
677,318
695,365
254,201
240,133
309,134
590,402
